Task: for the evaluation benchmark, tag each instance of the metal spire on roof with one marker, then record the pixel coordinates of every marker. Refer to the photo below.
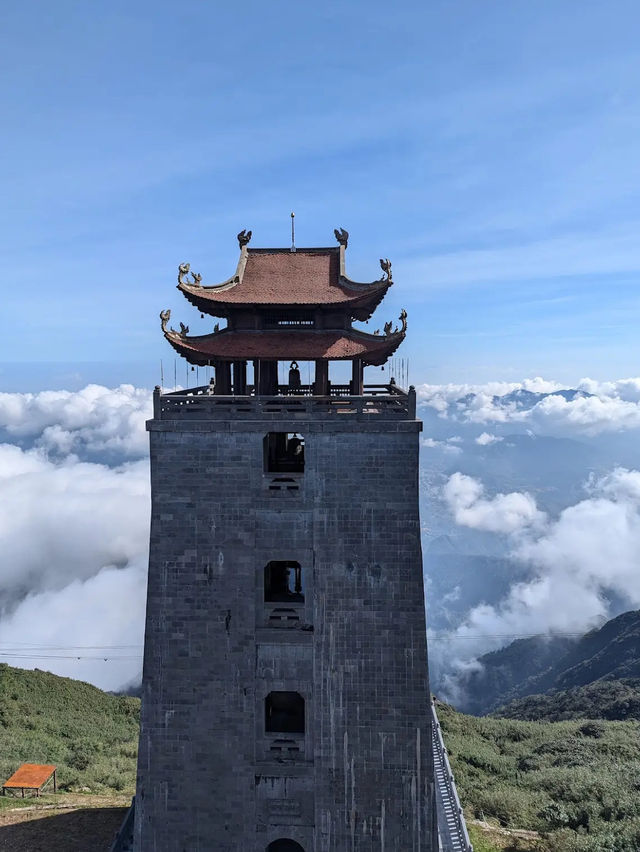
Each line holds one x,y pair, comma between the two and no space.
293,232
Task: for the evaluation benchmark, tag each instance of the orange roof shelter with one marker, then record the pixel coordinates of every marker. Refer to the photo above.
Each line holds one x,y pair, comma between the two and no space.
32,777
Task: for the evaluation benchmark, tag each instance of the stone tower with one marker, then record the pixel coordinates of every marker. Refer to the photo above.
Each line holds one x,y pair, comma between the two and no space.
285,691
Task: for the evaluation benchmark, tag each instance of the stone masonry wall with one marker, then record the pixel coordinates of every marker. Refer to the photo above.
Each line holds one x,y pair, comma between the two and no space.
207,779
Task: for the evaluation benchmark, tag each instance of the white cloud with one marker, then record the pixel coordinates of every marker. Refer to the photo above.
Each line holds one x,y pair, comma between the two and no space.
448,446
486,438
95,419
596,408
584,415
65,521
101,618
504,513
74,534
590,549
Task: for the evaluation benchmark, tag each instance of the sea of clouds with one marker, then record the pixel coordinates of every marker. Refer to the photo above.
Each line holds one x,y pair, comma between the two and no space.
543,476
74,526
570,530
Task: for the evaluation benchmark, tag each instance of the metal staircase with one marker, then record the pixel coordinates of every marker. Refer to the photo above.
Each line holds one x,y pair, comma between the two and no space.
452,829
123,841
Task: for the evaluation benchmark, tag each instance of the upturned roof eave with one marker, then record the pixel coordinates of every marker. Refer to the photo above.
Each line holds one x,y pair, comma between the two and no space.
192,348
360,306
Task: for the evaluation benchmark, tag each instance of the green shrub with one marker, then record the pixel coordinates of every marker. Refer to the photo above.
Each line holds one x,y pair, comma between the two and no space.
577,784
88,734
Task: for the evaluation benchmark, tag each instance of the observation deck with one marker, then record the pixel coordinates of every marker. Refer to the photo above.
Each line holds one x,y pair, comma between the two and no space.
386,402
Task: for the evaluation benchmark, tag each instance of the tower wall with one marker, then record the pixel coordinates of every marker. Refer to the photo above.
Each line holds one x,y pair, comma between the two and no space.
209,775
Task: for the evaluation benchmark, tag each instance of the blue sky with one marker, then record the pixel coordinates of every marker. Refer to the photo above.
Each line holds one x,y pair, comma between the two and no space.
490,149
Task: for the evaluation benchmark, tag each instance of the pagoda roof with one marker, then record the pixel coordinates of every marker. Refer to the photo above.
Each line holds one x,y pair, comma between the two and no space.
303,345
269,277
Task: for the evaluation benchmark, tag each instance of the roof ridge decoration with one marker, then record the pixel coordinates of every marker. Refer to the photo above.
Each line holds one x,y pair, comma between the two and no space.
385,265
165,316
389,331
185,269
244,238
342,236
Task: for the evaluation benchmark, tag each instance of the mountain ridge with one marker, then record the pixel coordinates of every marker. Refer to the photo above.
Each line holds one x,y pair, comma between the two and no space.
546,665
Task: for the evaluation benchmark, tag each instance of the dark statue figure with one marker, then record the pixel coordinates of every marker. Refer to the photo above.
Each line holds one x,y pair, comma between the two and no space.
244,237
342,236
294,376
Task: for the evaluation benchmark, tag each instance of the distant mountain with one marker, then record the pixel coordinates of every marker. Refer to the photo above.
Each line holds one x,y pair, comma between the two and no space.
523,400
554,469
543,665
457,582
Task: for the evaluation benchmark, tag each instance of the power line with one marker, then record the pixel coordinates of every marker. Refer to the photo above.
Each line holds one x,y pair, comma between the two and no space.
505,635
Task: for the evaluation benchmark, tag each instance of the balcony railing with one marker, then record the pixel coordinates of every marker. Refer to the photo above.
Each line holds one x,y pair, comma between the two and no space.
382,401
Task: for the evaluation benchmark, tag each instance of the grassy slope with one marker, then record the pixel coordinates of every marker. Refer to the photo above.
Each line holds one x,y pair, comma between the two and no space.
91,736
576,782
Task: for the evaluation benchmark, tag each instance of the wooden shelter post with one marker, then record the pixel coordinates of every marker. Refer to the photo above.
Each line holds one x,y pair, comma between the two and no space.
223,378
357,377
240,378
321,384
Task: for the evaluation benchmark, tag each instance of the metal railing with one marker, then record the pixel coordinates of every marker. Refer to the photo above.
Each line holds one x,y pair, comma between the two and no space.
382,401
452,828
123,841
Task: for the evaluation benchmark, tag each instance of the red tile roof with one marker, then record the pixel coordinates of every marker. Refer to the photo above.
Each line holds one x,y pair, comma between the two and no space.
282,277
304,345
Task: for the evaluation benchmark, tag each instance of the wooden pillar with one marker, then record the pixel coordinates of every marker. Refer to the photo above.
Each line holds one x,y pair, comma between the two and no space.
223,378
357,377
321,384
55,783
267,377
240,378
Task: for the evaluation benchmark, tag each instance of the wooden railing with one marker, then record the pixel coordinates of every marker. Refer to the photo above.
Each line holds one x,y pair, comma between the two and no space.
384,401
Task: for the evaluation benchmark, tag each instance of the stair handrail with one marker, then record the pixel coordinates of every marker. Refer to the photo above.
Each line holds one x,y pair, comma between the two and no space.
450,780
125,831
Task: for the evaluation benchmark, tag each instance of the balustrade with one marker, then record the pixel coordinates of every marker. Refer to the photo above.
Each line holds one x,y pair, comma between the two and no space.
386,401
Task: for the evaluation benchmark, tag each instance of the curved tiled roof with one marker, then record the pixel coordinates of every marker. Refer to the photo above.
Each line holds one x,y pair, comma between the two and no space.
306,277
307,345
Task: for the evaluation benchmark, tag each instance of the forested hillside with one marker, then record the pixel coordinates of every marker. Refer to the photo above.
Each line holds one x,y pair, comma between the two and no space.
550,664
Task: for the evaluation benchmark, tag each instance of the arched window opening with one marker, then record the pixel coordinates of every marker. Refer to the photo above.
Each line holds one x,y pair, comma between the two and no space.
284,713
283,582
283,452
284,846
